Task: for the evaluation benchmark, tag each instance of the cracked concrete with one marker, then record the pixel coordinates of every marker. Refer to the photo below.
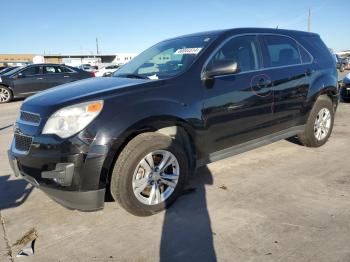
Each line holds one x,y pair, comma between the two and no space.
5,247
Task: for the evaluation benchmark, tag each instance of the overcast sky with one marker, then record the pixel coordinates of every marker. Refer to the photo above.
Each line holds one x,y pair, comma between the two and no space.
68,26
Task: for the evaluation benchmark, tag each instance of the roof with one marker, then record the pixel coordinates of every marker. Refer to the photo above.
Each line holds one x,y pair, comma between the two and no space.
215,33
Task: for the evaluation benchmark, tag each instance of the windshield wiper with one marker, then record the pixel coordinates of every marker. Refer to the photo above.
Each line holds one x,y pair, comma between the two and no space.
133,76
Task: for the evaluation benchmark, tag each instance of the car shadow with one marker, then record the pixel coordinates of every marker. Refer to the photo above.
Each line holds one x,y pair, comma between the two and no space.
294,140
13,193
187,233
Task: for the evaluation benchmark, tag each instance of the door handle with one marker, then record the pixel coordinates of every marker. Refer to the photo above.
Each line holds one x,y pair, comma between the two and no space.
66,76
308,72
40,78
263,82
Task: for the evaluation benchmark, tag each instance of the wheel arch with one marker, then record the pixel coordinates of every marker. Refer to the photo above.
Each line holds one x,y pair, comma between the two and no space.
325,84
5,85
171,126
10,88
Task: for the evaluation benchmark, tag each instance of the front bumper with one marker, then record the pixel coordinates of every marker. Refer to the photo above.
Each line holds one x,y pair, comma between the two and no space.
69,174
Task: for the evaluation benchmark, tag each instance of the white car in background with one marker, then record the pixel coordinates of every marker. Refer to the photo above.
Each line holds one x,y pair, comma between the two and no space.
107,70
86,67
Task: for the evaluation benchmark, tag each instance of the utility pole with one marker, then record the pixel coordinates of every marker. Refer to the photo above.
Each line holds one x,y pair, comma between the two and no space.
309,21
97,51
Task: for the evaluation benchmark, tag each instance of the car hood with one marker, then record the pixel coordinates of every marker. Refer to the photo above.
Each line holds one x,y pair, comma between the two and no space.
80,91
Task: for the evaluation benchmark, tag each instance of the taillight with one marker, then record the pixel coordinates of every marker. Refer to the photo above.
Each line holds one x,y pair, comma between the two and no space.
92,74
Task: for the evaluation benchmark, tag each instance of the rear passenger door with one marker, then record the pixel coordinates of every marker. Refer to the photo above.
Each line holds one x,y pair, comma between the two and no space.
289,67
55,75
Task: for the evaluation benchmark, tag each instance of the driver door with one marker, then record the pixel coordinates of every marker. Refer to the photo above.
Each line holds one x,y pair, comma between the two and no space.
29,80
237,107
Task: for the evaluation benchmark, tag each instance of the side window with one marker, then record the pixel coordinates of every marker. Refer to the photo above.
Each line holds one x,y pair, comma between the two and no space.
244,50
305,56
50,70
66,69
31,71
281,51
54,69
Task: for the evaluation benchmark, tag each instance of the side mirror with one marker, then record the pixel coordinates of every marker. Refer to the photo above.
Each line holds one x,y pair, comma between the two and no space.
20,75
226,68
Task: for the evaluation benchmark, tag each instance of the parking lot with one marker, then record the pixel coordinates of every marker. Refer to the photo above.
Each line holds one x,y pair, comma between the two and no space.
281,202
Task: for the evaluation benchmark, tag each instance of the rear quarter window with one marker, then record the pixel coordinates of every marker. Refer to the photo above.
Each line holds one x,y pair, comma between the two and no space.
305,56
317,49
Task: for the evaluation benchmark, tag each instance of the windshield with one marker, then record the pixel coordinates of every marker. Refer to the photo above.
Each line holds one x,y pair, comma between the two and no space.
165,59
13,71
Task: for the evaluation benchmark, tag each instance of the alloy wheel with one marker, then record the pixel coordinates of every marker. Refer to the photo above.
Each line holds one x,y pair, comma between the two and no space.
322,124
156,177
4,95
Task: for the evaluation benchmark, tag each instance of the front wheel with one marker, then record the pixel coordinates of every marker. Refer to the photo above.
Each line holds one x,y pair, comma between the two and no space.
5,94
320,123
149,174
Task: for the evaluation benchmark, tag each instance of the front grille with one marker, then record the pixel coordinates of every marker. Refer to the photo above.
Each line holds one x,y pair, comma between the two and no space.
22,142
30,117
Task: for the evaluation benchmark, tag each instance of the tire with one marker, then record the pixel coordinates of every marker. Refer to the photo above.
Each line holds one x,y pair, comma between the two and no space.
132,167
312,136
5,95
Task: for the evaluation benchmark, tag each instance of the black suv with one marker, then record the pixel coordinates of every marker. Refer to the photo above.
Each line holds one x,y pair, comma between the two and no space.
180,104
28,80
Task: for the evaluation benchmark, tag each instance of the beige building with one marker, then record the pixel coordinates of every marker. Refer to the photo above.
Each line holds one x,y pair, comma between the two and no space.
71,59
14,59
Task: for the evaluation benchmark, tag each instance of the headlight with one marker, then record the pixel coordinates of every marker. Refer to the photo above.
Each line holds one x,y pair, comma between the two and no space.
72,119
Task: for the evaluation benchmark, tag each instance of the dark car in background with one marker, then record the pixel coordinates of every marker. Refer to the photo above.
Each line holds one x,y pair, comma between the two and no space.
28,80
142,132
341,64
345,88
346,61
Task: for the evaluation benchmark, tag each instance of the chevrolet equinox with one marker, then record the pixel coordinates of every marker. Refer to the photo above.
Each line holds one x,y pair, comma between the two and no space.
181,104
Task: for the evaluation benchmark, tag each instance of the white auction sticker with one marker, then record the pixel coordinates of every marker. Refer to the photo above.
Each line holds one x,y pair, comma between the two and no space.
153,77
188,51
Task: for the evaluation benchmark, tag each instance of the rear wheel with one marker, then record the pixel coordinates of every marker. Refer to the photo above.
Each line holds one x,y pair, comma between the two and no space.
149,174
320,123
5,94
